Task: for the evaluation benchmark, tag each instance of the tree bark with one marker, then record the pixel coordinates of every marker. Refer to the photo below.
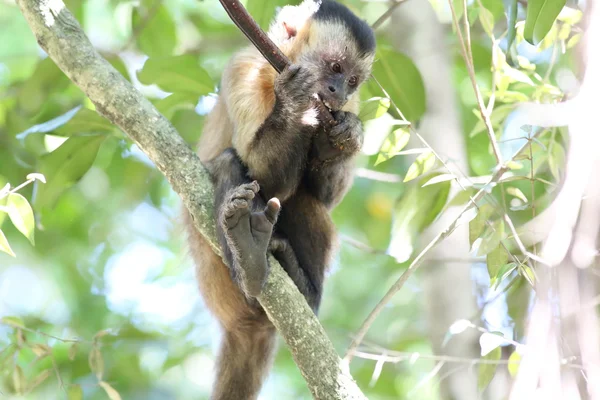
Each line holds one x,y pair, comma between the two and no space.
59,34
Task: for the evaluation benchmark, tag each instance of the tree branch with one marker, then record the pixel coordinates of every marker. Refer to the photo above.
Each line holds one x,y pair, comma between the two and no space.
60,35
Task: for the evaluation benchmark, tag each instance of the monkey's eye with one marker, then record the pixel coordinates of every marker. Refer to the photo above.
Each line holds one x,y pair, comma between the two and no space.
353,81
336,67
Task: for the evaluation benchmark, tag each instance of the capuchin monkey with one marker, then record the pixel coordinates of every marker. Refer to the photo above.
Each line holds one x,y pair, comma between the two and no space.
268,149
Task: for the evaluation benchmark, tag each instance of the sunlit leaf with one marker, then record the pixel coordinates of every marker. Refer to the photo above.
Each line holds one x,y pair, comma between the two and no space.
440,178
18,379
491,237
541,15
96,362
177,74
65,166
516,192
4,246
417,208
489,341
156,31
15,322
73,351
513,363
556,160
488,370
393,144
406,89
263,11
75,393
110,391
51,125
374,108
40,349
422,164
21,215
527,273
511,19
38,380
460,326
477,225
176,101
36,177
487,21
495,260
504,273
572,42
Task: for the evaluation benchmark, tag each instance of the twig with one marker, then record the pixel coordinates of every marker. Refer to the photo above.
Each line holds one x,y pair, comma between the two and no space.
257,36
420,258
471,72
388,13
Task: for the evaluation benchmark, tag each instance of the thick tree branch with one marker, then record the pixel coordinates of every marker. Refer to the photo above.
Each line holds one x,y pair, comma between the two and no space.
60,35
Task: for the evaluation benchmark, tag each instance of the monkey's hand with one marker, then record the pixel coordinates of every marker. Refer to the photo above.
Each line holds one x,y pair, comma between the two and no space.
342,140
248,235
293,92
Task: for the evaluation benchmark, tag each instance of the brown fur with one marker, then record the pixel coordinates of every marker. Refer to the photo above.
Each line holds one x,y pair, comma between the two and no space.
245,101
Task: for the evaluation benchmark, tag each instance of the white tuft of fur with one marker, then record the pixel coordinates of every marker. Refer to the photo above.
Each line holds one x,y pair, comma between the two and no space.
310,117
294,17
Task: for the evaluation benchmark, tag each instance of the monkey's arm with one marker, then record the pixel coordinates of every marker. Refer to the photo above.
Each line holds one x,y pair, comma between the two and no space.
277,154
330,169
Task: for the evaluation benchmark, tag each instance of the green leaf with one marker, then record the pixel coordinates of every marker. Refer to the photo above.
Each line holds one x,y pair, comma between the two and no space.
263,11
18,379
21,215
393,144
477,225
541,15
516,192
65,166
415,210
96,362
177,74
513,363
511,8
75,393
490,341
15,322
4,246
440,178
51,125
35,382
110,391
157,35
491,238
85,121
422,164
495,260
374,108
487,371
36,177
504,273
406,89
556,160
176,101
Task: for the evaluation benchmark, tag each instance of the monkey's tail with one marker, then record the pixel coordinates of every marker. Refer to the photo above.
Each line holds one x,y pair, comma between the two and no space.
245,357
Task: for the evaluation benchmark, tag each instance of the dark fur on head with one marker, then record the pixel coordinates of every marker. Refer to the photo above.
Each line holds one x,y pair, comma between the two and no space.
362,33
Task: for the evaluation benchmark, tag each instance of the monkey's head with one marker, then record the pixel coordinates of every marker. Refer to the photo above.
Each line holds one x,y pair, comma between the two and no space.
328,38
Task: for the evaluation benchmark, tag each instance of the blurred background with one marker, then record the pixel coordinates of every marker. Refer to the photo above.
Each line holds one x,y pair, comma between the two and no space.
97,293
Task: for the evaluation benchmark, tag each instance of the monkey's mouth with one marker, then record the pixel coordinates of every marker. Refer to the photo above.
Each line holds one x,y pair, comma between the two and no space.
326,103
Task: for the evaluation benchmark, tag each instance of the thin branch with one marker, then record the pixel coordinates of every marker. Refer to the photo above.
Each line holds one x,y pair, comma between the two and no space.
61,37
465,51
421,257
388,13
257,36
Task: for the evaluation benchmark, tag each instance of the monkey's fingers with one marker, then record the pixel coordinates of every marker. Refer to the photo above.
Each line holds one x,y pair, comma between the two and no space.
272,210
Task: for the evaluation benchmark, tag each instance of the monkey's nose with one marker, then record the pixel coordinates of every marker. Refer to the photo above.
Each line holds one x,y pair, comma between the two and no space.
331,89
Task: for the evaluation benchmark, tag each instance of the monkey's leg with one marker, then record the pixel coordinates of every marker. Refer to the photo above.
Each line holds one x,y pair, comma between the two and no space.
306,224
248,235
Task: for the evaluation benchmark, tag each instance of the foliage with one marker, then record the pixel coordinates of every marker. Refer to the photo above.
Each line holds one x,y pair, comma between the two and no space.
101,302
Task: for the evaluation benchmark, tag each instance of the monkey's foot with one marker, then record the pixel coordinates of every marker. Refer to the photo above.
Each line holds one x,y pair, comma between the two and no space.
248,234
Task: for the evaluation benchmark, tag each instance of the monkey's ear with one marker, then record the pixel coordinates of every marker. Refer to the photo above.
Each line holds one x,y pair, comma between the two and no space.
291,30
